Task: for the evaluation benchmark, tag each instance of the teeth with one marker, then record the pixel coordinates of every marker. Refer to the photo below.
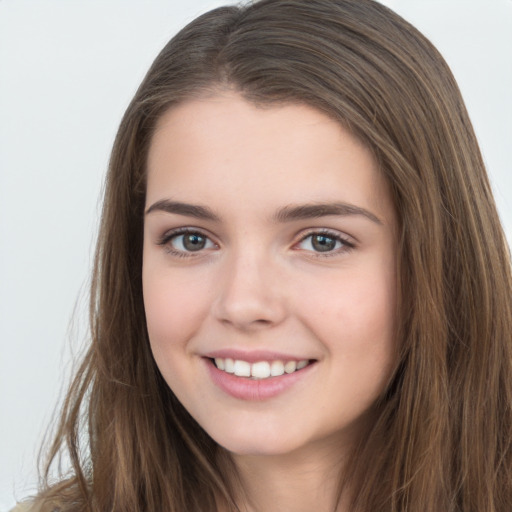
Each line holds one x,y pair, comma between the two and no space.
259,370
229,366
276,368
302,364
242,369
290,366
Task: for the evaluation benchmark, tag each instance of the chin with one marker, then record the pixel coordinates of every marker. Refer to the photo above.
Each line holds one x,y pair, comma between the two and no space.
258,444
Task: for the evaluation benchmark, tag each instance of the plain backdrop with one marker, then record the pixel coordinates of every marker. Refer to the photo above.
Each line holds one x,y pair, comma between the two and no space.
68,69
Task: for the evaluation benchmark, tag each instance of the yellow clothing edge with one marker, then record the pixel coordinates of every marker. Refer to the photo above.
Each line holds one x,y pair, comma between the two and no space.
26,506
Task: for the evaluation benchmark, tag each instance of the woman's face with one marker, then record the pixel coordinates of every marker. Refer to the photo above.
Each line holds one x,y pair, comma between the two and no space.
269,273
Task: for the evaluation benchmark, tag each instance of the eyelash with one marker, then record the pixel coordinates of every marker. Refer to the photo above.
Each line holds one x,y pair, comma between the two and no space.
346,244
168,237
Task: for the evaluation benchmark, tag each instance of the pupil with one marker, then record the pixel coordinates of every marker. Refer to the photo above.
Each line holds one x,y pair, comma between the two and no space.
323,243
194,242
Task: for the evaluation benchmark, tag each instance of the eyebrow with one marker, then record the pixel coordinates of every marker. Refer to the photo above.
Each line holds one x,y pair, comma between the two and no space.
189,210
316,210
286,214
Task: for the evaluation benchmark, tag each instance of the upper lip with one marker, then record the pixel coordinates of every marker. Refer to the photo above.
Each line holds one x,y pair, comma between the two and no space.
253,356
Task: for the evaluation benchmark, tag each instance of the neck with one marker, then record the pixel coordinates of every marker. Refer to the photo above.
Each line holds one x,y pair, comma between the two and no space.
295,481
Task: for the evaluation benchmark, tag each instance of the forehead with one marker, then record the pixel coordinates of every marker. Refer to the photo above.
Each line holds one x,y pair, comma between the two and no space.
223,149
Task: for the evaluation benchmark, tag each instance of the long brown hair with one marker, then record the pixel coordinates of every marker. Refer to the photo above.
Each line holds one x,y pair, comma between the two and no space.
442,437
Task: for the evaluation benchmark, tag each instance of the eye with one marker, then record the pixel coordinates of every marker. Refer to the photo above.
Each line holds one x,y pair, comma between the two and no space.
182,242
324,242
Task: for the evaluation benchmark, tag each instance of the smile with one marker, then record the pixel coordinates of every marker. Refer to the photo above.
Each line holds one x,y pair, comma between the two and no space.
263,377
260,369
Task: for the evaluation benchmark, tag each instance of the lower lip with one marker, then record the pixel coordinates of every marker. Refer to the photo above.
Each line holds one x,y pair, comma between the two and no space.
244,388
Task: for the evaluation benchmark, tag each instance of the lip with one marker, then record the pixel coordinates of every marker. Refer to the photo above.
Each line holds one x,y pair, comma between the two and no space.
247,389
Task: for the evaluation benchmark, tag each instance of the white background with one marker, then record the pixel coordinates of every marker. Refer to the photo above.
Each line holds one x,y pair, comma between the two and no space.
68,69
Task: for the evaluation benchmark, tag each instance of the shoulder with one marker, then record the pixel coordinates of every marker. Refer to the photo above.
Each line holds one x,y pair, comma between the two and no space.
26,506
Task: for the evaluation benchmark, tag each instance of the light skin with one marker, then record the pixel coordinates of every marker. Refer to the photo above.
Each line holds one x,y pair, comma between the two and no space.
289,248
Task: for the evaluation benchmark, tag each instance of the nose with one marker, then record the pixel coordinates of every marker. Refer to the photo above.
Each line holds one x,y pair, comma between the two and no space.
251,295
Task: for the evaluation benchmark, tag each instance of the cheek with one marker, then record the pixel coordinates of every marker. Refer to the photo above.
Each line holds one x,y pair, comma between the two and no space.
174,308
355,313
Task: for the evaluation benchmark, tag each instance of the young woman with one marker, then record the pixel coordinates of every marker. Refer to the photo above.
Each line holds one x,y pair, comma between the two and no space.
302,293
